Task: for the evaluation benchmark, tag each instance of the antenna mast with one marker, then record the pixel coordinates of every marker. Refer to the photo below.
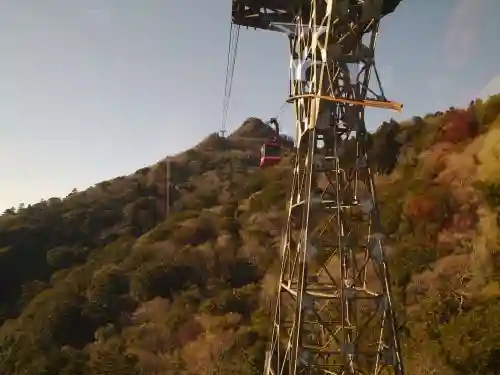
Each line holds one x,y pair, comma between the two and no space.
164,187
332,316
167,188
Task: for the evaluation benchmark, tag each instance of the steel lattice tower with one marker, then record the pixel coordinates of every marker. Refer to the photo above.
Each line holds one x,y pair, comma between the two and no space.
333,311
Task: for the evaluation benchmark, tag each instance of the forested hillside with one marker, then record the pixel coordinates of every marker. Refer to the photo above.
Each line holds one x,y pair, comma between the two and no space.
101,283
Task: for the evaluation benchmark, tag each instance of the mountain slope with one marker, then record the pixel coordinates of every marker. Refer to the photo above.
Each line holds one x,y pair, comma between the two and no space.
101,283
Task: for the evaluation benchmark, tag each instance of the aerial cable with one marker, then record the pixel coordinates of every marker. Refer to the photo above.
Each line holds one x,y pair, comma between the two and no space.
280,110
228,63
231,58
233,63
229,78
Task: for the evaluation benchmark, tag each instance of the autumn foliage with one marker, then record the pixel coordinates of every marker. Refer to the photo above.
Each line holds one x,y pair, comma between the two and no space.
419,207
459,125
101,283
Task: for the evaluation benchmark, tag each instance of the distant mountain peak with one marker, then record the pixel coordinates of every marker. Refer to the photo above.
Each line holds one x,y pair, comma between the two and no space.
212,141
253,127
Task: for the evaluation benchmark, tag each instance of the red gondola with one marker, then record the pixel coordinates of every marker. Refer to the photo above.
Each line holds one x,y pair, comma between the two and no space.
270,152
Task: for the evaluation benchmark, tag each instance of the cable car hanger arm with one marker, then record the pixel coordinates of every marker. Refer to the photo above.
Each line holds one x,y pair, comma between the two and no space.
274,121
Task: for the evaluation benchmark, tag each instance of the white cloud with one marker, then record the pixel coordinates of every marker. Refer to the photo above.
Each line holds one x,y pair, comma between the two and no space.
462,31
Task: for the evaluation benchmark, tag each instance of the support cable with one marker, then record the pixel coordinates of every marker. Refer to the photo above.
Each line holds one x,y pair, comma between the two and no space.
234,33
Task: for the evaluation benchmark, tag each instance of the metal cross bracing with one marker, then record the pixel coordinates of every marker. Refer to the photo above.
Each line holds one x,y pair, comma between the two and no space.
333,313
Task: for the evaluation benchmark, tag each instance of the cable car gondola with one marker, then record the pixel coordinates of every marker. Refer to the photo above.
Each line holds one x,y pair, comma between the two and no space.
270,152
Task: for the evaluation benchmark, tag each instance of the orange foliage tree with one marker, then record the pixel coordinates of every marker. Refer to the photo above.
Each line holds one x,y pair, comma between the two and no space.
419,207
428,210
459,126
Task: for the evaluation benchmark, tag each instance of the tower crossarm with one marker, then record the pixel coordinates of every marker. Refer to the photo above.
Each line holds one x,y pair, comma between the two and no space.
261,14
382,104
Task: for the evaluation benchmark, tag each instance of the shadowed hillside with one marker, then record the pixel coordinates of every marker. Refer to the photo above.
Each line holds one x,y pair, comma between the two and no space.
101,283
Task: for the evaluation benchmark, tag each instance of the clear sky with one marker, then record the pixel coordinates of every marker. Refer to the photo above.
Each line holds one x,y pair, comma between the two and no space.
94,89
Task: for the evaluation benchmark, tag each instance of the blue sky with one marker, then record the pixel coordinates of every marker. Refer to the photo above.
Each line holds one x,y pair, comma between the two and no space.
94,89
